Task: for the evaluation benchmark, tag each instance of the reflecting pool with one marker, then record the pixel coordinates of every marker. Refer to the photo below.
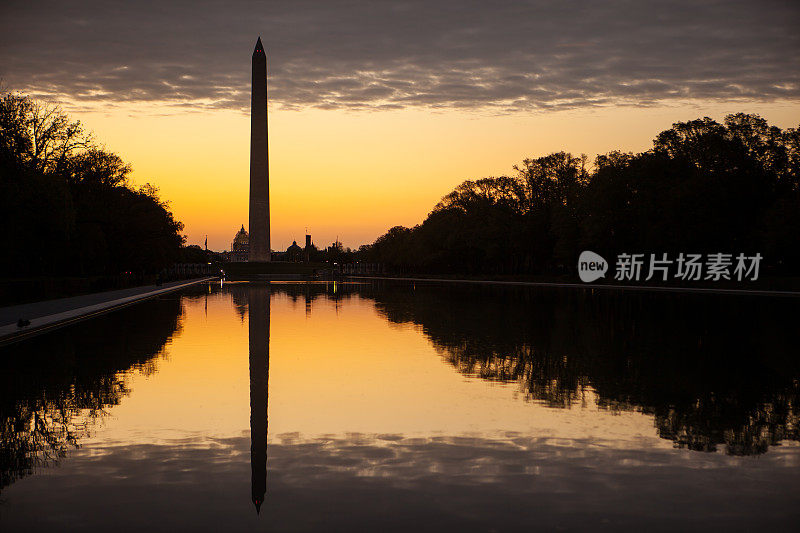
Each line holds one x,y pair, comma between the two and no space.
391,406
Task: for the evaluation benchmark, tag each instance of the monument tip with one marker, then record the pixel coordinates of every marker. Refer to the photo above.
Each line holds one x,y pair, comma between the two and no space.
259,47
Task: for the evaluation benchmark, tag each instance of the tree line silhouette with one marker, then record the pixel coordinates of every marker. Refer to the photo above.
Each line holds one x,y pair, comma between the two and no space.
67,206
704,187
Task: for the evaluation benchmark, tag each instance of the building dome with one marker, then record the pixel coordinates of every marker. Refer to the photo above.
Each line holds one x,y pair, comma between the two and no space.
241,237
240,247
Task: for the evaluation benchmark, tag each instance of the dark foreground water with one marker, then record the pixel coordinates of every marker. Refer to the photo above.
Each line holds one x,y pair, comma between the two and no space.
414,408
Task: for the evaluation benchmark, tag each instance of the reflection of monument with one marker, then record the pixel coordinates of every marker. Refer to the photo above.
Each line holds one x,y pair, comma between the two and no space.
259,159
258,313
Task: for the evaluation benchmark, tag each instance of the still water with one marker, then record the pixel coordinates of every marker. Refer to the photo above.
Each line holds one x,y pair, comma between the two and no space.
393,406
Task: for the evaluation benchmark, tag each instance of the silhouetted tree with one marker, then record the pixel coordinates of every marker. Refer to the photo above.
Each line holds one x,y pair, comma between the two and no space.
66,205
704,187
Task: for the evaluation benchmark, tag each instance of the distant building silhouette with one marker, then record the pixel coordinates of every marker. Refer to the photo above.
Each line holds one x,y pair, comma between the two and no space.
294,252
307,249
240,247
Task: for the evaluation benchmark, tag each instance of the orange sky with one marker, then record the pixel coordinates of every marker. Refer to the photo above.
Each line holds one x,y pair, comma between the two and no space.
354,174
378,109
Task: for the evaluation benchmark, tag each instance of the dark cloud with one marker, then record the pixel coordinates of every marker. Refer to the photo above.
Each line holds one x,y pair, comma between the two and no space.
388,55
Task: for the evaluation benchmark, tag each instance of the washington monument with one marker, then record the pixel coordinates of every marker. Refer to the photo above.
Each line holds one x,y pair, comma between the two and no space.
259,160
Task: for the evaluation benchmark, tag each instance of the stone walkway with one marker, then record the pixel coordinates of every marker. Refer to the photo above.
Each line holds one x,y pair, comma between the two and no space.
50,314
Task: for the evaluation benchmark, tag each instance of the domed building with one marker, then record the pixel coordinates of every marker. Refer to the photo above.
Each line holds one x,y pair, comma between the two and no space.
294,253
240,247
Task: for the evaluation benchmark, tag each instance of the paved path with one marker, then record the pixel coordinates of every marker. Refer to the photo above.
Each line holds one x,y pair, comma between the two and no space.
51,314
744,292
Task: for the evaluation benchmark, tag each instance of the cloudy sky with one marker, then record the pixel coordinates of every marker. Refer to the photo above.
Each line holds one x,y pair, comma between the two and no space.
485,83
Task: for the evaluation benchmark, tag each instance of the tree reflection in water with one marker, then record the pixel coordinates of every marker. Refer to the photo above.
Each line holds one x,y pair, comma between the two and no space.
55,386
713,370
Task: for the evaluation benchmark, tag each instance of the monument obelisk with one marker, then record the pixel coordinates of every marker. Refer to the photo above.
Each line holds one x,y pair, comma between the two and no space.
259,160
